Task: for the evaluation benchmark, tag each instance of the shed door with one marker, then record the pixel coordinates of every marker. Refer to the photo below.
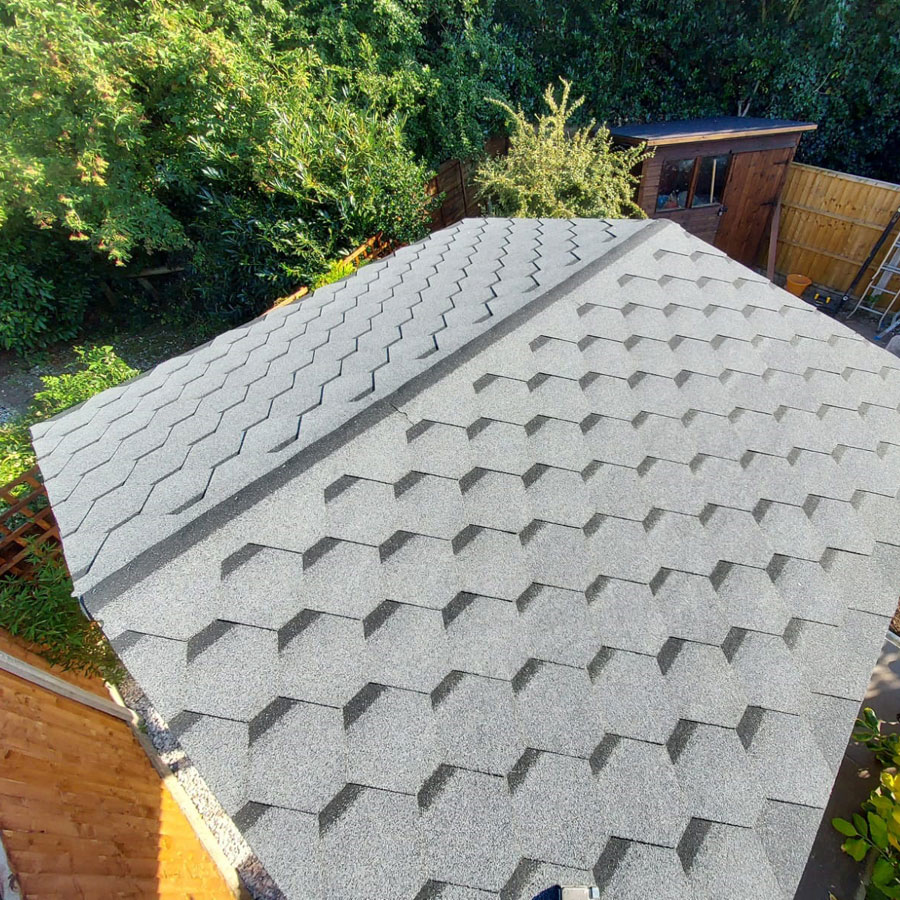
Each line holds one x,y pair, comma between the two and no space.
755,180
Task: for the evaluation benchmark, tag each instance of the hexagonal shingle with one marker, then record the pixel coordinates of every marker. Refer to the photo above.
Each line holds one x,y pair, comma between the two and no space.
701,683
571,830
405,646
297,755
476,723
724,860
371,844
628,616
558,625
716,775
491,563
418,570
690,606
321,658
341,577
214,686
557,555
468,829
633,871
631,692
556,708
497,540
390,738
288,841
483,636
623,768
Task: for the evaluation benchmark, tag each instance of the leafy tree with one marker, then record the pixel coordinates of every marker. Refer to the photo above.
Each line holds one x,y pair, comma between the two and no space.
247,143
202,132
552,172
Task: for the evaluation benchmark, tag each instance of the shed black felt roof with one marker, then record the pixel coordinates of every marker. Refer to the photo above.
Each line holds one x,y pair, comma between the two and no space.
701,129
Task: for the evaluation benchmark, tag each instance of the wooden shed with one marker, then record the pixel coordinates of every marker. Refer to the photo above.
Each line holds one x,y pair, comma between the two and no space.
721,178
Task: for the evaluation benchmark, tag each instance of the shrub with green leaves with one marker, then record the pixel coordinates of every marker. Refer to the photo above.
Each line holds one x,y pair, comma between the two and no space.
877,832
876,829
208,135
554,171
36,306
243,144
885,745
16,452
100,369
339,269
41,609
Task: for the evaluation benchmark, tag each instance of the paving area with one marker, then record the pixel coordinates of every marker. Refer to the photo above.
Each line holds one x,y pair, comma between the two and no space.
829,870
20,377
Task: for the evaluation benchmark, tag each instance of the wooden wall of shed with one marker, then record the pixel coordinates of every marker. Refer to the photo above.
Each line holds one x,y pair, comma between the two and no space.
829,223
83,813
652,168
30,653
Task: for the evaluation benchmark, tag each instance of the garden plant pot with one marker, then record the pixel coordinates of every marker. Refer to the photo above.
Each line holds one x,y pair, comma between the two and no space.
797,284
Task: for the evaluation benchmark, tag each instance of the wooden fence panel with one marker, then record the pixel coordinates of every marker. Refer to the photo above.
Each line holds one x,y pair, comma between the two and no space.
829,223
454,180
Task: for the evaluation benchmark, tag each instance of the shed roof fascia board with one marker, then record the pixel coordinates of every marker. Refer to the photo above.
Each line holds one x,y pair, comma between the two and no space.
688,135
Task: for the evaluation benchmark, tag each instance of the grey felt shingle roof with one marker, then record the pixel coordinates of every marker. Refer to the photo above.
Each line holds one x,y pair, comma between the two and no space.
137,463
590,593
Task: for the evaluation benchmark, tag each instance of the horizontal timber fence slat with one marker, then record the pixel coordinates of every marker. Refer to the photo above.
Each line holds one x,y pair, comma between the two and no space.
829,223
455,179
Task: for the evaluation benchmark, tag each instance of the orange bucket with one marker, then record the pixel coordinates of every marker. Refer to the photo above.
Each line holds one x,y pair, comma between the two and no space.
797,284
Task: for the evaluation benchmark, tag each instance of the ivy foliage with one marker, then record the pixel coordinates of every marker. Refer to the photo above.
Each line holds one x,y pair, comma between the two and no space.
553,172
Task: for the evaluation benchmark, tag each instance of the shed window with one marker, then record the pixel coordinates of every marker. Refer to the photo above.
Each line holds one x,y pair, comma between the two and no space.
710,180
692,183
675,184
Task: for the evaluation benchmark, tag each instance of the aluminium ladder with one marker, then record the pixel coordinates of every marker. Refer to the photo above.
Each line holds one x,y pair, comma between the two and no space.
884,286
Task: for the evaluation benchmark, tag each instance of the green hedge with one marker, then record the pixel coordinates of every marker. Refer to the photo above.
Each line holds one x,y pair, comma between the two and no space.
246,144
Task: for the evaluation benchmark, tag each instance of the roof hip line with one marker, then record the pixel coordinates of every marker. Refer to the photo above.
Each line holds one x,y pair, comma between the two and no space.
174,545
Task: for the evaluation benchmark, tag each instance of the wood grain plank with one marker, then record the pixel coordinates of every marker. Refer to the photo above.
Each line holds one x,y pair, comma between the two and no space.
830,222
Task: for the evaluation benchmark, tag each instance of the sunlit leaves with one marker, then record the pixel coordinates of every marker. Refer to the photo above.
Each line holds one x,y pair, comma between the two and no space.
553,170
